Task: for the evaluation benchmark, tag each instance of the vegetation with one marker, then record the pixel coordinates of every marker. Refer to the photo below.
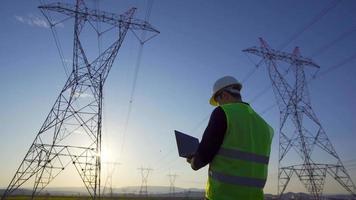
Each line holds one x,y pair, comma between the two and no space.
47,197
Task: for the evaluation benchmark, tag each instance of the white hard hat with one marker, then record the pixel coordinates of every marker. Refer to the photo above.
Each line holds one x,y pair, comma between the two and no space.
223,83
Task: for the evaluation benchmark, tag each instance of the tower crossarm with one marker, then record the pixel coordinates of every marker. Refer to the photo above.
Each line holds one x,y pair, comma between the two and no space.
273,54
99,16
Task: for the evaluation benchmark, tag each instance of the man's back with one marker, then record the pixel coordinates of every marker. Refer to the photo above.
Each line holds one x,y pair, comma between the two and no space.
239,170
236,144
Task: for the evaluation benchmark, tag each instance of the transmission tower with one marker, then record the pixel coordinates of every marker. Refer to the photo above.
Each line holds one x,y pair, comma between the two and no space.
71,133
108,182
172,180
300,128
144,180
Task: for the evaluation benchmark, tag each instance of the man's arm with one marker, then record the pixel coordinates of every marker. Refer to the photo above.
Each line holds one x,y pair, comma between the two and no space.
212,139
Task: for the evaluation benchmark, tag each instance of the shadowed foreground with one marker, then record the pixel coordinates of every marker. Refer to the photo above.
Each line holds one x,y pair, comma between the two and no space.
46,197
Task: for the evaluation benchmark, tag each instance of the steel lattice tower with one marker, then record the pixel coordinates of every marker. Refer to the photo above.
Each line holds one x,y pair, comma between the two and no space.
172,180
300,128
71,133
108,182
144,180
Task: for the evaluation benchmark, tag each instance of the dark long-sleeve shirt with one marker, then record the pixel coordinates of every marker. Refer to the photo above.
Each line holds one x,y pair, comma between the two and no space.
212,139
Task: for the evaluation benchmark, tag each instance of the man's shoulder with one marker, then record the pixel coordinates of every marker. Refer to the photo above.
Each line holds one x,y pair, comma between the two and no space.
218,110
234,105
218,114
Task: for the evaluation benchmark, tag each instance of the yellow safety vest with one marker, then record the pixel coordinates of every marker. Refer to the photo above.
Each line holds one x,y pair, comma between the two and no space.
239,170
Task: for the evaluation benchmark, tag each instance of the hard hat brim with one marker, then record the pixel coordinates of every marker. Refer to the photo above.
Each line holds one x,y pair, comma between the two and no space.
212,99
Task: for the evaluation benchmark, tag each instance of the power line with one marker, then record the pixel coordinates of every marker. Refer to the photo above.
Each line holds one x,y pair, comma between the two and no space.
249,75
268,109
55,37
168,165
208,115
134,84
261,93
294,36
200,123
149,9
336,66
98,27
315,19
330,44
264,91
161,166
303,29
252,71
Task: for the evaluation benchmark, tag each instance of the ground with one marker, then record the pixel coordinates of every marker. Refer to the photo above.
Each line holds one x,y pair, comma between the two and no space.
104,198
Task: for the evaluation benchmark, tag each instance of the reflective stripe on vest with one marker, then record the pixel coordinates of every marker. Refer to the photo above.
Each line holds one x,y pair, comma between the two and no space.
238,180
237,154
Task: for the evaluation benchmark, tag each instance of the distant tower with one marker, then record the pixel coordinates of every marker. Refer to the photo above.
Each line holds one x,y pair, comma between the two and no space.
144,180
300,129
172,180
71,133
108,182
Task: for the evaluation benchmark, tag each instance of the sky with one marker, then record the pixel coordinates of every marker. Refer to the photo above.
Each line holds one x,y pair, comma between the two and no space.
200,41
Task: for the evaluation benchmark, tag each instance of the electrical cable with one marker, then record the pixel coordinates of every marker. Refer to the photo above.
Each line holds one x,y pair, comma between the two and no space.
297,34
294,36
56,40
316,18
330,44
134,85
336,66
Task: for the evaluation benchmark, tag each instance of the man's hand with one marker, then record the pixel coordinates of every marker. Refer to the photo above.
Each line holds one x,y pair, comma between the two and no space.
191,161
190,158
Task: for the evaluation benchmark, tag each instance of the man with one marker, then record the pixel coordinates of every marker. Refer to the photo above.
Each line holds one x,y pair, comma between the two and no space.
236,144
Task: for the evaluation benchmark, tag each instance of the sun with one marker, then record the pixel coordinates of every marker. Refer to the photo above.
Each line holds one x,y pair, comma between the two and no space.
106,155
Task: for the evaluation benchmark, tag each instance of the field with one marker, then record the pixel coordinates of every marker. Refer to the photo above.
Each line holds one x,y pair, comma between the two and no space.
104,198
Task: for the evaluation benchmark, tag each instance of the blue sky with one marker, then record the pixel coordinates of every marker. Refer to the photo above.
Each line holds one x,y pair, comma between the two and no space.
200,41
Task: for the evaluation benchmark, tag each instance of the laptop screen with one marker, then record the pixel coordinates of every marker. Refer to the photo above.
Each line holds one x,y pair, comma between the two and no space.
187,145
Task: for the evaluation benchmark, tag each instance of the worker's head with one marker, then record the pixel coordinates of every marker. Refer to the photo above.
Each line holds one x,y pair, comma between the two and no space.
226,90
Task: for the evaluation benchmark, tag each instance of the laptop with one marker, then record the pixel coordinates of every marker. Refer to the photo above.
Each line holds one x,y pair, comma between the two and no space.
187,145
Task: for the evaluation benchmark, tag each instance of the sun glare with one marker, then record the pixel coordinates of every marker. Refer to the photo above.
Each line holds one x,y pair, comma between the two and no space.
106,155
